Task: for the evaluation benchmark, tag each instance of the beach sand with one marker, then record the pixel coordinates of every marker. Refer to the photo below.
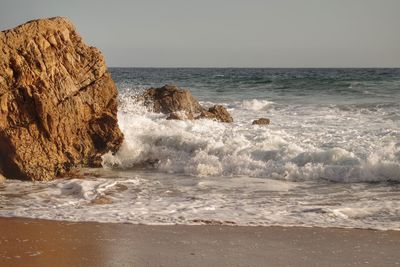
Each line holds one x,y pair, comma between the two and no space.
27,242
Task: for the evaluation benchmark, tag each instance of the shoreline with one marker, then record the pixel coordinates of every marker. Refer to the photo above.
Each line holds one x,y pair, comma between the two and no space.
202,222
60,243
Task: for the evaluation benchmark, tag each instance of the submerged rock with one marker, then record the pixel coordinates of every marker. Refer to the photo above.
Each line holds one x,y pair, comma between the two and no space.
58,103
261,121
101,200
181,105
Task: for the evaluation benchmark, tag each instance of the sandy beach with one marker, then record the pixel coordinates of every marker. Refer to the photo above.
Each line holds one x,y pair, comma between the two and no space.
27,242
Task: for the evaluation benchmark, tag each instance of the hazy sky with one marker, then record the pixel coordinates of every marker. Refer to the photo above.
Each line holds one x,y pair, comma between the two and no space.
228,33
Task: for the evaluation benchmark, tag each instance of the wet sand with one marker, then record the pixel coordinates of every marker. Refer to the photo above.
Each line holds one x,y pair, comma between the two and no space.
26,242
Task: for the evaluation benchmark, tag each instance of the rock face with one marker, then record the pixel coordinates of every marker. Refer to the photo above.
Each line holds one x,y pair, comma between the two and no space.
181,105
261,121
58,103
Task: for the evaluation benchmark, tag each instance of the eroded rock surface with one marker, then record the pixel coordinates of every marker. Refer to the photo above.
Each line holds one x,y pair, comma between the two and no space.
58,103
181,105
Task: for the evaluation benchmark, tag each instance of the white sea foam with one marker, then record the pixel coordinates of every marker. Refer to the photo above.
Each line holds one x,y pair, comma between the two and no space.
155,198
300,144
186,172
255,104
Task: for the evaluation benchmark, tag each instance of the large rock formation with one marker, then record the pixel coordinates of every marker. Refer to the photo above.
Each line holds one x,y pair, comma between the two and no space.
58,103
180,105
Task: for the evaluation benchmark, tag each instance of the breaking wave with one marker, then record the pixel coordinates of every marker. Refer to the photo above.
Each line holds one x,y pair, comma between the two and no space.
285,150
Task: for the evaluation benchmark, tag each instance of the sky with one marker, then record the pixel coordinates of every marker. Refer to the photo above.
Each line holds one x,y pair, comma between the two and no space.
228,33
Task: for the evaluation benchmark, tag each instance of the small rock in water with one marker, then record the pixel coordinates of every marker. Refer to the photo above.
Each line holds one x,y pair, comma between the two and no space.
181,105
102,200
261,121
217,112
170,99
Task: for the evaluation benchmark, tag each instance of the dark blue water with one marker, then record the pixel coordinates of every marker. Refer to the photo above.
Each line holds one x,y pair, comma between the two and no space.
335,86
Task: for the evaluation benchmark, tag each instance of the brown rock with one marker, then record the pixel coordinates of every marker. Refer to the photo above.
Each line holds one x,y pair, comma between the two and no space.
261,121
101,200
180,116
216,112
170,98
181,105
58,103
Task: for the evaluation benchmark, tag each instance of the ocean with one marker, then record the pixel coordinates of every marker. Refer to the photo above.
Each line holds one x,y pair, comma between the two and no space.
329,158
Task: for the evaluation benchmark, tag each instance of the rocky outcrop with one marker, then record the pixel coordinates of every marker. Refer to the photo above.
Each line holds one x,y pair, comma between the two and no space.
261,121
170,98
181,105
58,103
216,112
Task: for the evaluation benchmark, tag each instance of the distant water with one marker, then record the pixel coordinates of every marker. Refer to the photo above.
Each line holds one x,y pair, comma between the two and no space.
331,156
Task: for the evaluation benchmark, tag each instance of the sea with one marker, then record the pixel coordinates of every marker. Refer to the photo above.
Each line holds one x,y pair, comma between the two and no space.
329,158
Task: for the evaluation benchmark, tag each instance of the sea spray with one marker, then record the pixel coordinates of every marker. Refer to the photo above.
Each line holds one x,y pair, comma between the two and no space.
329,158
279,151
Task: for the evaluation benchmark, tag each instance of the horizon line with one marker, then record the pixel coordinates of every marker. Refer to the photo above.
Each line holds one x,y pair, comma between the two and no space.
188,67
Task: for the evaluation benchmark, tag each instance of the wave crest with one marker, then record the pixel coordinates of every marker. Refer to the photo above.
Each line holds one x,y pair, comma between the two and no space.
208,148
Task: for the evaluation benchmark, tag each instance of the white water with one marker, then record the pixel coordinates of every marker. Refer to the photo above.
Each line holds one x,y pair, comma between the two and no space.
309,167
154,198
302,143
